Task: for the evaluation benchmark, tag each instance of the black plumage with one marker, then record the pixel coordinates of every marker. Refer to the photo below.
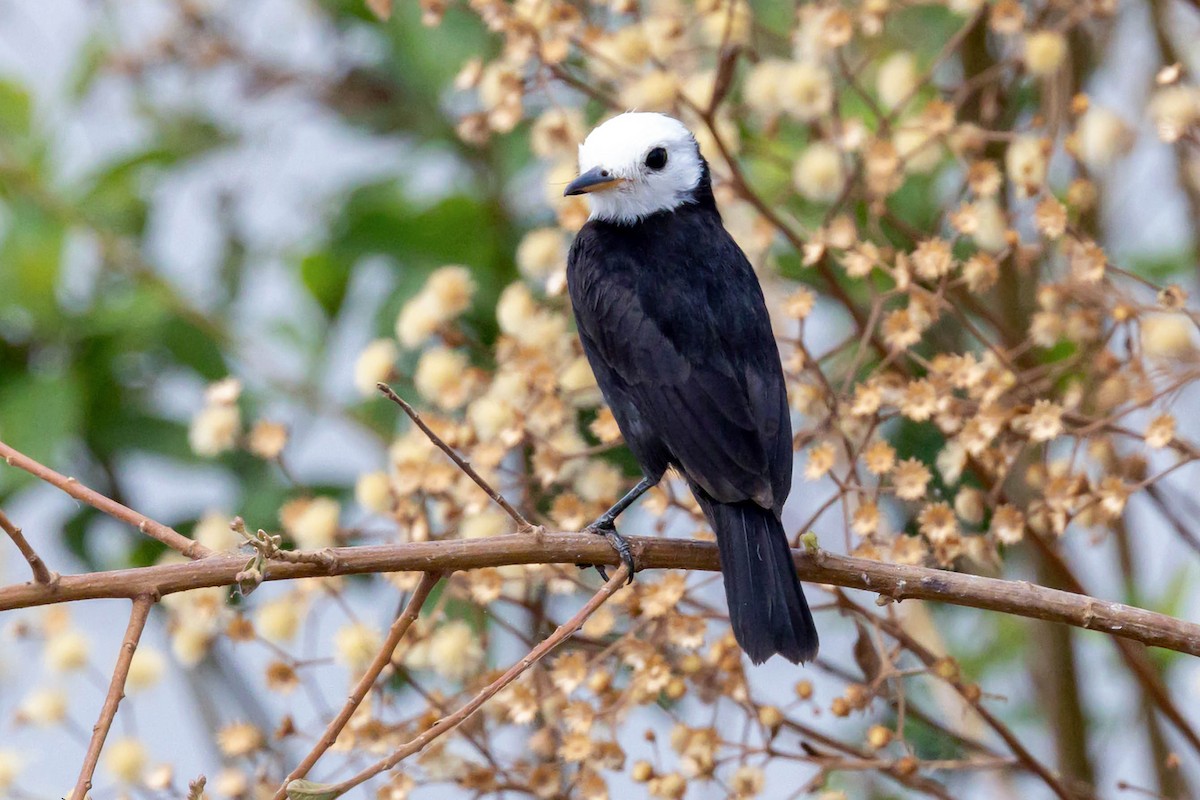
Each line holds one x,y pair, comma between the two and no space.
673,322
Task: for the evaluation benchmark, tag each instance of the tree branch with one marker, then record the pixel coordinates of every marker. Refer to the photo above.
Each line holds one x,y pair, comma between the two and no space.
523,525
41,573
894,581
446,724
156,530
382,659
116,691
972,697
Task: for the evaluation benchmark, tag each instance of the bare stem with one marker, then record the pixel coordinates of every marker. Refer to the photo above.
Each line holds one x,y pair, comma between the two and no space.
156,530
41,573
523,525
971,696
447,724
382,659
894,581
116,691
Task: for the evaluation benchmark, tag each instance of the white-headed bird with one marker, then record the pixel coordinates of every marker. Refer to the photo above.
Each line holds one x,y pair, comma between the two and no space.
673,322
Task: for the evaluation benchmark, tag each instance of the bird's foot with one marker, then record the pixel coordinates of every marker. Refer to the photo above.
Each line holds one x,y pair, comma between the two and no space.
606,528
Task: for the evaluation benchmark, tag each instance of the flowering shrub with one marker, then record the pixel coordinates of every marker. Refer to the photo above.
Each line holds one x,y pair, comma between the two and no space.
977,386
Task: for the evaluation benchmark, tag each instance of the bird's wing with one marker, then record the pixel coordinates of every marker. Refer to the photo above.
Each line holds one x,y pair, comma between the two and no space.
701,369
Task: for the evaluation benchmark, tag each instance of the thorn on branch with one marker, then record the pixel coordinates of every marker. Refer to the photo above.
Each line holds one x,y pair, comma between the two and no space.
41,573
523,525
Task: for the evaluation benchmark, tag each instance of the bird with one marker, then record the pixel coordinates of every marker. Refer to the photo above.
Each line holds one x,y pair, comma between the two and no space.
673,322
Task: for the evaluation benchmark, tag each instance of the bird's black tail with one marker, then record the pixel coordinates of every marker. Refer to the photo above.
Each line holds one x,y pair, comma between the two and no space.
766,604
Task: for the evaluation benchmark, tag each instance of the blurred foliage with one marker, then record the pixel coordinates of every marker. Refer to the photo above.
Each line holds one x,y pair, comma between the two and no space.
104,355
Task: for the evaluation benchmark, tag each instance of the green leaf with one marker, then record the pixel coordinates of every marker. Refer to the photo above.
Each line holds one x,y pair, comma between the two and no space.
31,256
326,277
194,348
307,790
38,412
16,109
93,55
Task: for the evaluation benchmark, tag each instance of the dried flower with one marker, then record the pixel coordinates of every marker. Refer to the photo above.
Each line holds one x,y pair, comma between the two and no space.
215,429
213,531
804,90
375,365
455,650
1044,421
486,523
932,259
313,523
1045,52
865,520
1100,137
821,457
879,457
11,765
990,234
190,643
556,134
443,377
1175,109
879,737
67,651
897,79
126,760
938,523
910,478
819,174
267,439
355,645
1050,216
1160,431
900,329
278,620
146,669
800,303
239,739
1025,162
542,252
373,492
43,707
1008,525
1167,336
970,504
654,91
747,781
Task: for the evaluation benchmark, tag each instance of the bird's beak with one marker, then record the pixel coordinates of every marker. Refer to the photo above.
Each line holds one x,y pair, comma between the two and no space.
594,180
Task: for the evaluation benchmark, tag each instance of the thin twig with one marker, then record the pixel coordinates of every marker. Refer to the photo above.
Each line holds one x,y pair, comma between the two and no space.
382,659
116,691
156,530
41,573
523,525
930,660
446,724
895,581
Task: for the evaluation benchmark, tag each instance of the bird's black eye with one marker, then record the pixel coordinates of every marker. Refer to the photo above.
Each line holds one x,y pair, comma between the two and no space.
656,159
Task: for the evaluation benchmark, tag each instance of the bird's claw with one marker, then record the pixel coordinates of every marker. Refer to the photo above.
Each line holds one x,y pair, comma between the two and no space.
605,527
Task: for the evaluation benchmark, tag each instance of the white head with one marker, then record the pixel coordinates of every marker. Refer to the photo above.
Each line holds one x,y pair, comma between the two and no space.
637,164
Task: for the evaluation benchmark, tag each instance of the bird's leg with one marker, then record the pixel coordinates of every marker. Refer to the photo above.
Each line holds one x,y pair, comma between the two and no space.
606,526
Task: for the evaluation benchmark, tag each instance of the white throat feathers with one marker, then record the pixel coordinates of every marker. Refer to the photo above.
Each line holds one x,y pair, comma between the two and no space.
638,164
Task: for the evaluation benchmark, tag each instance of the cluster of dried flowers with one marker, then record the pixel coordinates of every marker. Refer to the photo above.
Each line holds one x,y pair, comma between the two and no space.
996,379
